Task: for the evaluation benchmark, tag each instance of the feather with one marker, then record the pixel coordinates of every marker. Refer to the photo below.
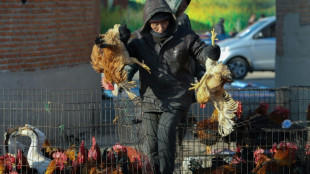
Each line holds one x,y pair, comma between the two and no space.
35,157
211,87
110,58
226,107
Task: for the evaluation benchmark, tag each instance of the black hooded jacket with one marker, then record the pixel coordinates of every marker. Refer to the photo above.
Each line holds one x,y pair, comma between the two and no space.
171,77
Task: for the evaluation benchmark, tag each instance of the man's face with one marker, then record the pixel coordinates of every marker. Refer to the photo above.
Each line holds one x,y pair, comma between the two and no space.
159,26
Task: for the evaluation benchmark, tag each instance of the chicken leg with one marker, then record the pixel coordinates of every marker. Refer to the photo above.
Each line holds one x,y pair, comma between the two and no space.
134,60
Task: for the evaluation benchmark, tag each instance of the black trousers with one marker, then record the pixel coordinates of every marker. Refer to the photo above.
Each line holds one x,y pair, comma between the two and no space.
161,128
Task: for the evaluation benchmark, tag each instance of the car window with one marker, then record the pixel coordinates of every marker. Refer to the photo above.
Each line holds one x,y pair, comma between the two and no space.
250,28
267,32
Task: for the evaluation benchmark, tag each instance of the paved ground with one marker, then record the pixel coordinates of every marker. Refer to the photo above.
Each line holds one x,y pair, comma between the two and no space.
261,75
266,78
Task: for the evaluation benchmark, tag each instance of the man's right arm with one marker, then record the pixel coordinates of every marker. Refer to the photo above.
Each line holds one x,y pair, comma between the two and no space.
131,70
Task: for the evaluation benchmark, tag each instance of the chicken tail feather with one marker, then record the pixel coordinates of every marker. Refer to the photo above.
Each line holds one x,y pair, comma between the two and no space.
131,95
227,108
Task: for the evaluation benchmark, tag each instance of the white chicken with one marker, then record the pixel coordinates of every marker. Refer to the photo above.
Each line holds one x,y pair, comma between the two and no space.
34,157
12,144
211,87
40,134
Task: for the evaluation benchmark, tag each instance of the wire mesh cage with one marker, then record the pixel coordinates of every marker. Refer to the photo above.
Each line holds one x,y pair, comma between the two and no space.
262,140
273,122
47,125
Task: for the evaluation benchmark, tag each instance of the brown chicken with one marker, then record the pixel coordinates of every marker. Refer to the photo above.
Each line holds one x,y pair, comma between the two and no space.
81,159
263,163
71,153
206,130
2,166
110,58
22,165
58,164
225,169
135,158
234,167
106,169
93,158
283,155
6,164
211,87
94,153
48,149
255,117
278,115
243,133
120,150
138,162
262,109
110,158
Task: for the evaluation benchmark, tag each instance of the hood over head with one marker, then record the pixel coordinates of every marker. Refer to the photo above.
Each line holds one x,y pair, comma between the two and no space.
151,7
161,16
175,4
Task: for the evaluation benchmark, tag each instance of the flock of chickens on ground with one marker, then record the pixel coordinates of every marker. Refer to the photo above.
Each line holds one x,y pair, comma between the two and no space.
263,146
44,158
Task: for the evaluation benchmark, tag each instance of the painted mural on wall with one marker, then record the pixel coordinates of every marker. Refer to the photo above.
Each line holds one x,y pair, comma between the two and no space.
204,14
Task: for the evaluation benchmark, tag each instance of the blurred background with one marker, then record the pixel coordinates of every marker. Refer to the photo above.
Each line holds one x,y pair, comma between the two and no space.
47,44
204,14
46,78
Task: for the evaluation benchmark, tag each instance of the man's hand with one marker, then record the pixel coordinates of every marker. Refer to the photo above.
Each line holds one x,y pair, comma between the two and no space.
213,52
99,41
124,33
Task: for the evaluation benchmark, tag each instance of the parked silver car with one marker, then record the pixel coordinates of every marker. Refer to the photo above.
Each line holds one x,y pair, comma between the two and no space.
252,49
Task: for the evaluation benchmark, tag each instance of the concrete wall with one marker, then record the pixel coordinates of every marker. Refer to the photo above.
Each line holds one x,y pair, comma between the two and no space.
77,77
293,48
47,44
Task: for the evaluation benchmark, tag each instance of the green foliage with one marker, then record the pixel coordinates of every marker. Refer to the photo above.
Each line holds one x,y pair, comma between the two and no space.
204,14
236,13
131,16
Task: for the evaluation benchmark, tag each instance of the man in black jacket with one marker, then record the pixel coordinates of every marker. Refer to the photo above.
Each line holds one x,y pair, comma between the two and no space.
167,49
178,7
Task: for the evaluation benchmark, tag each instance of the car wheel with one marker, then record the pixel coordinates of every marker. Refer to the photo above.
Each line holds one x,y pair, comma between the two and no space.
239,67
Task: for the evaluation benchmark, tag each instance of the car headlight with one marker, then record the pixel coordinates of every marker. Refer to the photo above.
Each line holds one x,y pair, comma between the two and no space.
223,49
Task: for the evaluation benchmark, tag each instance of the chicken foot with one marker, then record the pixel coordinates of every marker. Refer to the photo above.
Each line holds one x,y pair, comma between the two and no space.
134,60
209,63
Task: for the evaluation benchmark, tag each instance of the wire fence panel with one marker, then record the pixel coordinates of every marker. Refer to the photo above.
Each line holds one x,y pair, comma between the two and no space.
258,134
270,134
